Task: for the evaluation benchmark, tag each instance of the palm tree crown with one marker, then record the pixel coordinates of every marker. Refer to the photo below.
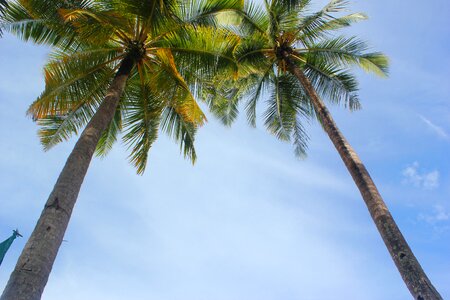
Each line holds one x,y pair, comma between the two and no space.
172,49
283,27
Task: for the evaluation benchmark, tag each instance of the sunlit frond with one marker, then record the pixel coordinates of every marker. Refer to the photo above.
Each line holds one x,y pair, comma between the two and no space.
202,51
312,26
97,27
348,52
74,79
58,128
209,12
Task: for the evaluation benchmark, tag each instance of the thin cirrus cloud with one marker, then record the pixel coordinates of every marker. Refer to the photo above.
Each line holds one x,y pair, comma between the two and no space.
437,129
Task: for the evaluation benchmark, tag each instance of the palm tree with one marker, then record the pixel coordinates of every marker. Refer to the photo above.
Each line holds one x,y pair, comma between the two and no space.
116,65
294,59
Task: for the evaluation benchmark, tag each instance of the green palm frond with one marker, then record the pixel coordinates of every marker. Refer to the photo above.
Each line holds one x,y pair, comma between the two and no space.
287,106
109,136
253,51
312,26
340,22
181,131
97,27
336,84
3,5
278,115
146,10
299,138
141,123
58,128
252,18
39,21
202,50
223,100
285,103
348,52
72,80
260,85
209,12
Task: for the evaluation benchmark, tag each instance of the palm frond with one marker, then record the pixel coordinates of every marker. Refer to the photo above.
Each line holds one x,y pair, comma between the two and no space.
181,131
253,53
223,100
3,5
300,138
312,26
97,27
336,84
58,128
109,136
30,25
349,52
141,123
178,93
281,107
259,86
209,12
74,79
203,50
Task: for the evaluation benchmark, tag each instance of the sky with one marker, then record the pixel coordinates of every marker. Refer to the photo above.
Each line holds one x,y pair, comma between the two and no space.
249,220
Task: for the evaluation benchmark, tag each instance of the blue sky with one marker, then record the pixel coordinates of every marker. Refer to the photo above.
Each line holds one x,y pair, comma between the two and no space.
249,220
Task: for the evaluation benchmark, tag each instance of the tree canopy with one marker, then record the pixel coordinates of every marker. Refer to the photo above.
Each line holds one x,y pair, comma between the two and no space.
175,48
312,42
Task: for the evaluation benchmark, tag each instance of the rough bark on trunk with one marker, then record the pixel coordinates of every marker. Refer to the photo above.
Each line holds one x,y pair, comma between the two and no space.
33,268
407,264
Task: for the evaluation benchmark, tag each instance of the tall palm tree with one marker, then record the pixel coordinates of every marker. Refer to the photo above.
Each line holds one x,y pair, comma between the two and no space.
116,65
293,59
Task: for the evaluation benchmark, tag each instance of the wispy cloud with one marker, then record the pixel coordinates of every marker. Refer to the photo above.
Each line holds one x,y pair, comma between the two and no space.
440,214
437,129
426,180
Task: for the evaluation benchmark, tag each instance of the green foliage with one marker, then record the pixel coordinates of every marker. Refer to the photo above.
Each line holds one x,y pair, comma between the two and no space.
39,21
174,48
309,39
3,6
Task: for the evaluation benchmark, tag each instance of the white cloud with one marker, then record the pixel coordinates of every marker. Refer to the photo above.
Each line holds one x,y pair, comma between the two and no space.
437,129
428,181
440,214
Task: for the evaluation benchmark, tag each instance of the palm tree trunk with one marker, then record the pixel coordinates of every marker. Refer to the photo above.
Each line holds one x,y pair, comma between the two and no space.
33,268
412,273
